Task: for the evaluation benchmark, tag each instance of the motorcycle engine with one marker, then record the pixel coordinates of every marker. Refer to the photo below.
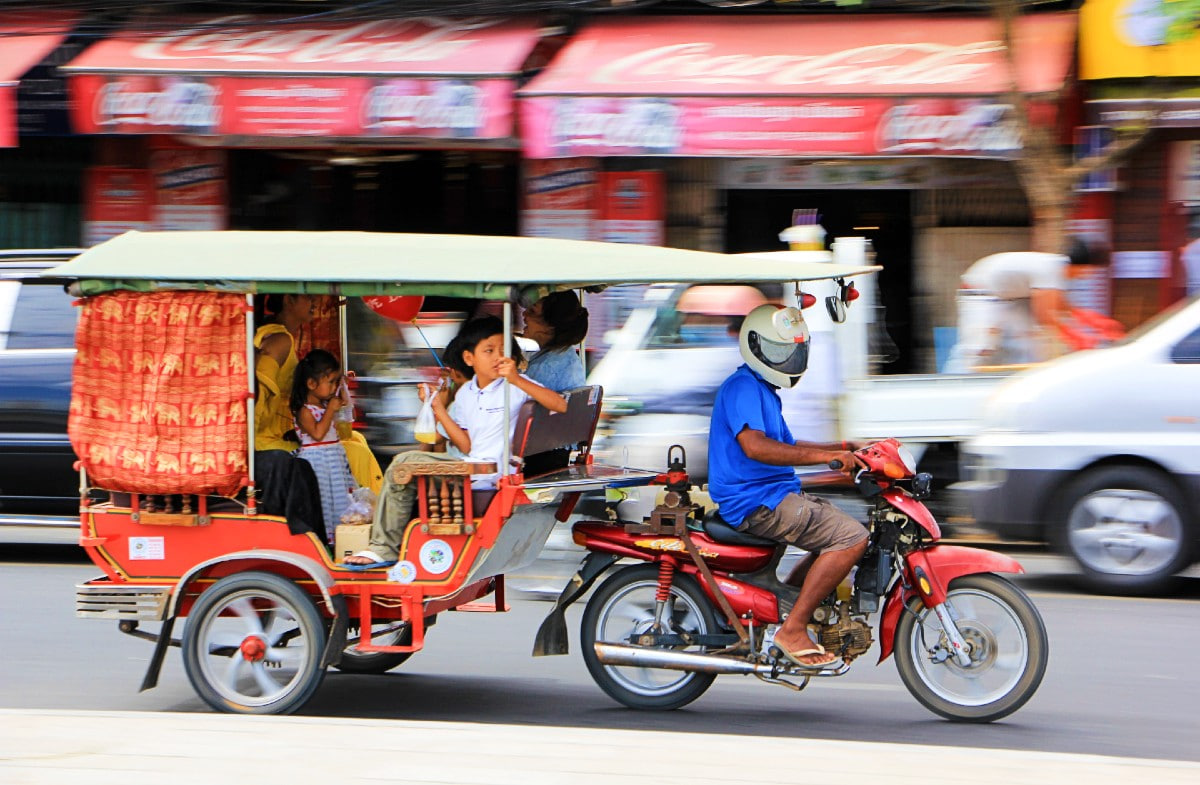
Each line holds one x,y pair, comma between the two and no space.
846,637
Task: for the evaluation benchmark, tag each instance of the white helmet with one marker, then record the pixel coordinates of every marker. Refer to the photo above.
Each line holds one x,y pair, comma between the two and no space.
774,342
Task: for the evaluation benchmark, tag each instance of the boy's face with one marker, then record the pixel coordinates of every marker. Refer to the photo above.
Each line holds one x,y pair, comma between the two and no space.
485,358
327,386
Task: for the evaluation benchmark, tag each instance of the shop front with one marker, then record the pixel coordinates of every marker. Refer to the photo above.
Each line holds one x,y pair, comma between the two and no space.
251,122
40,162
891,127
1141,63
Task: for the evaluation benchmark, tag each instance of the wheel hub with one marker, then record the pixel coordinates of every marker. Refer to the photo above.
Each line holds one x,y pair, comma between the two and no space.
980,645
253,649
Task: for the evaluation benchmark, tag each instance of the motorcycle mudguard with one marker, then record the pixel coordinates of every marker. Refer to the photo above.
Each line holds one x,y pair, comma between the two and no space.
940,564
552,636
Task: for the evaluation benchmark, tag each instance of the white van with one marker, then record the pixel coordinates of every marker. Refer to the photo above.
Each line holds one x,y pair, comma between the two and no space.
1098,453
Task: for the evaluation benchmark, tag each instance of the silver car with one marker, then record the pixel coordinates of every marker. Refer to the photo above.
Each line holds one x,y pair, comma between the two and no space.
1098,453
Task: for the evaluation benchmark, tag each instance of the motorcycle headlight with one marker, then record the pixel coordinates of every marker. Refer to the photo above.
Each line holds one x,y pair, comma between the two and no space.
906,458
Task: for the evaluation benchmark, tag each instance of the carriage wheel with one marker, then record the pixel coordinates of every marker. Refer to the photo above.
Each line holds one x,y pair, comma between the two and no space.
253,645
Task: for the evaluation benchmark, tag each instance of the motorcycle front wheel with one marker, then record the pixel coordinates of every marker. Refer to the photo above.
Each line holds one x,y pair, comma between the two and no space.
624,606
1008,650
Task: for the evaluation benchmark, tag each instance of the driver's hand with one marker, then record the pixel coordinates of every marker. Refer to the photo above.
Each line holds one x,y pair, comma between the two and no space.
850,462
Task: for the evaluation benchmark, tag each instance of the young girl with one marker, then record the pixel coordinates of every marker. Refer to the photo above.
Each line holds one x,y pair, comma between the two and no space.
316,398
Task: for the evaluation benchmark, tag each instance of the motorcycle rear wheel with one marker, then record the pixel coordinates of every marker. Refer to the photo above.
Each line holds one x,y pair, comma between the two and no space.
624,606
1009,651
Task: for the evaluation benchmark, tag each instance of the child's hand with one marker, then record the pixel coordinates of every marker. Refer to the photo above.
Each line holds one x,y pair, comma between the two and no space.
334,404
507,368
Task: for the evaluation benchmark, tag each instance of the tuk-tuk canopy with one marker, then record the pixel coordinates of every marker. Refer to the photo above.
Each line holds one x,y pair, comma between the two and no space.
369,263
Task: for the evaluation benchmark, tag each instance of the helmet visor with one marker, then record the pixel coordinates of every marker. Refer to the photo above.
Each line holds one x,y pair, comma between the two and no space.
790,359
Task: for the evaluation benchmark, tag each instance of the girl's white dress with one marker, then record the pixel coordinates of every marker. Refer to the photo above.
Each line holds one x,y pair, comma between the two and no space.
328,460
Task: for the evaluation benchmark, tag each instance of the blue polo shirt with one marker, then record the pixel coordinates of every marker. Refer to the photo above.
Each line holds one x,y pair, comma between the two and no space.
735,482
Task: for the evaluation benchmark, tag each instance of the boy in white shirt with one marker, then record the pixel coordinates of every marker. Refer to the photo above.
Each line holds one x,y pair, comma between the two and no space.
474,424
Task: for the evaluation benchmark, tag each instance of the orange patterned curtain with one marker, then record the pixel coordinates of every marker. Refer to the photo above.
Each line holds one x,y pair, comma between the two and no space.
322,332
158,401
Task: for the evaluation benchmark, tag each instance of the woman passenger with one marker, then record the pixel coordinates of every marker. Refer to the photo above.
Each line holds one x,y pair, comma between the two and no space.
275,368
558,323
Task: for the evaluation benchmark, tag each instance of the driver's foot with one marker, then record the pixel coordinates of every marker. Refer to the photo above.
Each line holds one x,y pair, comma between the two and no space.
804,652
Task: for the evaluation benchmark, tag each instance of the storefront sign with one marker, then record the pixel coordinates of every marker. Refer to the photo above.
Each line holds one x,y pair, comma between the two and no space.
1140,264
1121,39
242,75
567,127
116,201
1185,172
190,189
560,198
293,106
632,208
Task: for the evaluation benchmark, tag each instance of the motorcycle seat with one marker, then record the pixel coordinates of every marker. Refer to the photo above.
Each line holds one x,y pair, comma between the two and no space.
716,528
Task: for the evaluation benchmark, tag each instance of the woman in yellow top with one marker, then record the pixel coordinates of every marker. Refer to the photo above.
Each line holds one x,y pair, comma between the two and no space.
275,368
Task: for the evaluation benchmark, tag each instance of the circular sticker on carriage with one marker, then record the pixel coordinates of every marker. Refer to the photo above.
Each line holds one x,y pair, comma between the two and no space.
436,556
403,572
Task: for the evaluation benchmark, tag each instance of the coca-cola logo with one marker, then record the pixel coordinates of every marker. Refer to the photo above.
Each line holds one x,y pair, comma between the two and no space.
649,126
450,105
879,64
179,104
245,39
990,128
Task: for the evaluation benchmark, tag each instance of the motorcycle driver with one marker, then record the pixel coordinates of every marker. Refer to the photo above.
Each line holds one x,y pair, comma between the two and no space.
751,455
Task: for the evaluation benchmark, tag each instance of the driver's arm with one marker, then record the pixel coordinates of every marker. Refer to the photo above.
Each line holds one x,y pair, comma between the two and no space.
762,448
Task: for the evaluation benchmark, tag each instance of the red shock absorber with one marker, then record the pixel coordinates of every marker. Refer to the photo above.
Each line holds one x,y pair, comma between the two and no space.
666,575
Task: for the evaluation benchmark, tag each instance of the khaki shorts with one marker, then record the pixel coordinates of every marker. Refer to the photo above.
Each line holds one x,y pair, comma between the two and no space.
808,522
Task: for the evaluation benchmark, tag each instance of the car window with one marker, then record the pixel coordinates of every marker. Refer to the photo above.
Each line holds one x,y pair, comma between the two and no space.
1187,350
43,319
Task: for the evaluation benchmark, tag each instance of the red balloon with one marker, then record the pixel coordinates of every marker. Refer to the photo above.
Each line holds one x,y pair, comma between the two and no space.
403,309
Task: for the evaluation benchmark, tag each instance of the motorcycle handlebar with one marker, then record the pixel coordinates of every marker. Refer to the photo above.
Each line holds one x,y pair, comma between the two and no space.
836,465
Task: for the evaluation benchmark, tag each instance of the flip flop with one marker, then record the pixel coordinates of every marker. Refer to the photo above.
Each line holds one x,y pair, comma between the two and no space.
376,564
794,657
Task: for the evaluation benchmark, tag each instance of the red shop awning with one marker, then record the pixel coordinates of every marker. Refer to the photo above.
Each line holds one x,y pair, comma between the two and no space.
257,76
25,38
791,85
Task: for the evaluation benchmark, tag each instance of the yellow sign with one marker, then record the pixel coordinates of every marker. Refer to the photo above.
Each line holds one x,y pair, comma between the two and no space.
1120,39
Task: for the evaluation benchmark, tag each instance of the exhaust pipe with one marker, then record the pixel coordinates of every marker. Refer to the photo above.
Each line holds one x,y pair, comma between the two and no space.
620,654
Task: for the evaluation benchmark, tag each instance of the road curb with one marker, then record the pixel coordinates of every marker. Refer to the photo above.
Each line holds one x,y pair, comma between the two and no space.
66,748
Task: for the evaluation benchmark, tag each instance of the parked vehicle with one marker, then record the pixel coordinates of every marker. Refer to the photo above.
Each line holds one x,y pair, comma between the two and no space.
38,486
969,644
1098,453
179,533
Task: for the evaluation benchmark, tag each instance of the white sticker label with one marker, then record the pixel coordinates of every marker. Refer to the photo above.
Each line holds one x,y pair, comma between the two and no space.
436,556
403,572
147,548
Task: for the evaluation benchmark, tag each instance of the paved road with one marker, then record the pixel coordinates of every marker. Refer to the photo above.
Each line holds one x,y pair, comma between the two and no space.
1121,679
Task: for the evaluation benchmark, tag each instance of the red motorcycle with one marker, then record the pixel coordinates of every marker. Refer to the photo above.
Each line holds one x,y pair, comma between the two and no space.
705,601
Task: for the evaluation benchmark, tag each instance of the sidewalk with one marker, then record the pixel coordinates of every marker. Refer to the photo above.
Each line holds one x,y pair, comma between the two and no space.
132,748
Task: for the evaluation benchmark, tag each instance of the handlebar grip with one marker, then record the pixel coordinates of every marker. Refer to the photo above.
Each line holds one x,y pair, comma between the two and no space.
836,465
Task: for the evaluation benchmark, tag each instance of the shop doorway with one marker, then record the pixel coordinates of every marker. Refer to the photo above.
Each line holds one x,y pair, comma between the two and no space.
755,218
435,191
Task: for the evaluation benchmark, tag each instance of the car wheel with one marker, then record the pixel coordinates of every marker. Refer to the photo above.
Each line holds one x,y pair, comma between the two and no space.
1128,527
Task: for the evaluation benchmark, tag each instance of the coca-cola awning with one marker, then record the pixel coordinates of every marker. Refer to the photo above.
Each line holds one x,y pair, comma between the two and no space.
256,76
25,39
792,85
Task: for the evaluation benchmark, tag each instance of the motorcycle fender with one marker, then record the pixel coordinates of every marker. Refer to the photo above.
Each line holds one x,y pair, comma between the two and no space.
940,564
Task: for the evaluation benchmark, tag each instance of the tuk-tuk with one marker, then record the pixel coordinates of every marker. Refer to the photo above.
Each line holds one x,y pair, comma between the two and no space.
163,422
